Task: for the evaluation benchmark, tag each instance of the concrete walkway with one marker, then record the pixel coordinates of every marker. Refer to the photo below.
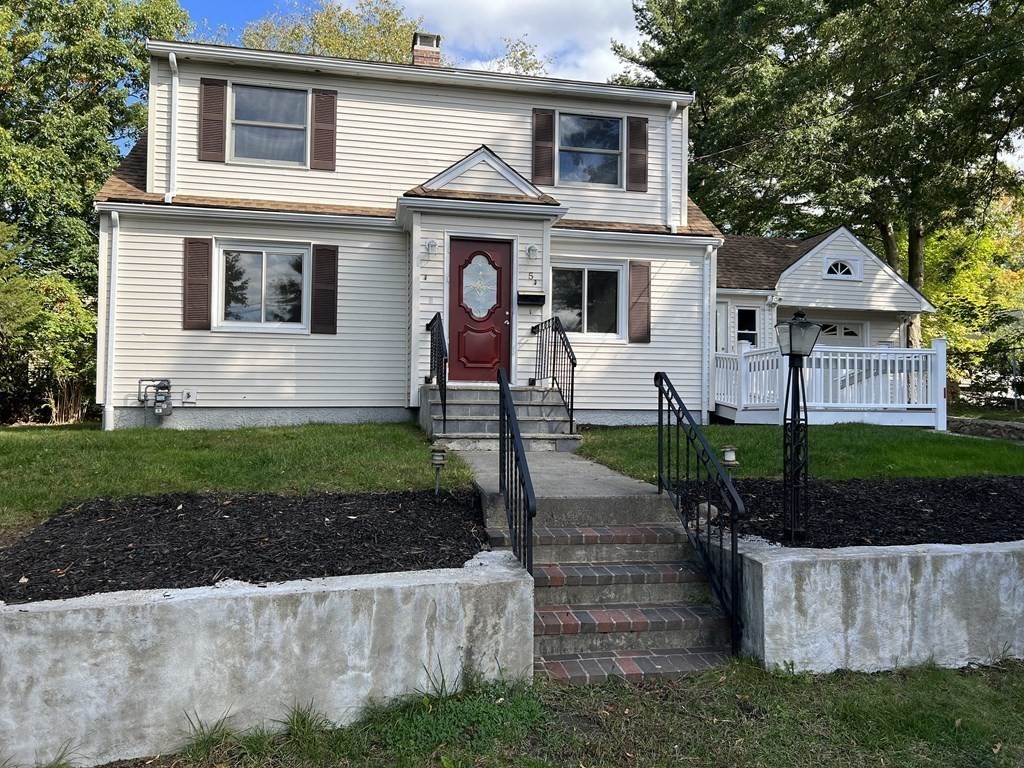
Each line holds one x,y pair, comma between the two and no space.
571,490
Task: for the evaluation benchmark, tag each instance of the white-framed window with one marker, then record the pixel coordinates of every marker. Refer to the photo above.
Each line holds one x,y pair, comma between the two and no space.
590,149
846,334
589,298
260,286
748,323
269,125
842,268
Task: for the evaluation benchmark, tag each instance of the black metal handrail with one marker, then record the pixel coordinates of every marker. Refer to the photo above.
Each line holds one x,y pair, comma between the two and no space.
514,476
439,365
705,498
556,361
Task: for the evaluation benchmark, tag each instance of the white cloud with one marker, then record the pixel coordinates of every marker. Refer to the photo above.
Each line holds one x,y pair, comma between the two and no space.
577,34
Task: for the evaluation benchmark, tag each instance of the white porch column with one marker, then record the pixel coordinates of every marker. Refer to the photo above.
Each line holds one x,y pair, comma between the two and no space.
938,379
743,372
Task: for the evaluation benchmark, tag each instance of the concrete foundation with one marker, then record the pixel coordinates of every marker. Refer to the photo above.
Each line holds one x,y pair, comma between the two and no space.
878,608
198,417
113,676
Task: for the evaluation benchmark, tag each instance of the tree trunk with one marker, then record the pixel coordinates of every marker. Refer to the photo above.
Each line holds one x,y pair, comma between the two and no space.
888,235
915,271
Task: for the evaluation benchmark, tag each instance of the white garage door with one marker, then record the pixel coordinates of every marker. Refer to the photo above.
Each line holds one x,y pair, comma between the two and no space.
842,335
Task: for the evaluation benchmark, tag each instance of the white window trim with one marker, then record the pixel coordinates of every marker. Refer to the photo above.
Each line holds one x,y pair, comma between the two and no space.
217,286
256,162
758,325
855,263
620,335
621,152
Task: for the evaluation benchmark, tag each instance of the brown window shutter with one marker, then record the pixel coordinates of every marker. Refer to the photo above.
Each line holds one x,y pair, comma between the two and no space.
198,271
640,302
213,119
636,154
322,147
544,146
325,289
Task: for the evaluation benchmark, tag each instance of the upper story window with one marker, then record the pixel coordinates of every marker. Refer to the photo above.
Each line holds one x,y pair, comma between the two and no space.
587,298
589,150
836,268
269,125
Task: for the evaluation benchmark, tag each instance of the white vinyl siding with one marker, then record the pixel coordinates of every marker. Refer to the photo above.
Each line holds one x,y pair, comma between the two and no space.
808,287
482,178
614,374
365,364
394,136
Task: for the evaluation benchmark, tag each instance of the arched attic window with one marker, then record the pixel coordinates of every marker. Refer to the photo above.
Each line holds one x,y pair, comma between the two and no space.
842,268
839,268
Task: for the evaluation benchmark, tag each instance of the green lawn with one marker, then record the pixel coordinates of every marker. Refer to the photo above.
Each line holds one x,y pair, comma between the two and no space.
987,412
837,452
45,468
737,715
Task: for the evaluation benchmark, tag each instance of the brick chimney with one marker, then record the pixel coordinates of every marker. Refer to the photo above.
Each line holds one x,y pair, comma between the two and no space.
426,49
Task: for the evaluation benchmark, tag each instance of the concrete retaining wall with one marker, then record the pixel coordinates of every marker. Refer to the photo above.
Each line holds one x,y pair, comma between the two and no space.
876,608
114,675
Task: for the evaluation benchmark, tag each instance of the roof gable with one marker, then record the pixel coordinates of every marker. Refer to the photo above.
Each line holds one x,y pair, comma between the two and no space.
482,175
757,263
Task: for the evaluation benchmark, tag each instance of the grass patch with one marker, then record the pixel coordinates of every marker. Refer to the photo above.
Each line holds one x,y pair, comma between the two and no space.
738,714
838,451
45,468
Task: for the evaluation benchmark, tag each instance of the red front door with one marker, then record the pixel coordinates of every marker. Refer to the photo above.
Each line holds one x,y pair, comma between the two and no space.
481,309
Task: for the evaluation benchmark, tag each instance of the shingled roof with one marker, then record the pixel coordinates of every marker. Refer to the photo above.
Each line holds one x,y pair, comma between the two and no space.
128,185
757,263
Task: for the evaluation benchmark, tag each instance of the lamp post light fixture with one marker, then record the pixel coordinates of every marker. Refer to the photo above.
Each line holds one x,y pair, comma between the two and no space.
437,461
797,338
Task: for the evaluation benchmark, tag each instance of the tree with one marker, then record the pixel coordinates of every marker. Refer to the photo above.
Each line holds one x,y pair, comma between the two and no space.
374,30
521,58
888,116
71,79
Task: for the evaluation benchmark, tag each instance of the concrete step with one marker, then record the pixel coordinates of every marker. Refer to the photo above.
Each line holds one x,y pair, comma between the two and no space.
460,393
583,628
620,582
485,410
483,425
636,665
481,441
656,542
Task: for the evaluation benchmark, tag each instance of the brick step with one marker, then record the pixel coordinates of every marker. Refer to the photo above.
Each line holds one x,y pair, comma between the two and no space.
529,426
482,441
559,629
657,542
634,666
619,582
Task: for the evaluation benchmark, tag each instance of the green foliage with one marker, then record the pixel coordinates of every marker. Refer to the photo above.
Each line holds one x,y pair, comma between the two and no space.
838,451
976,281
20,304
521,58
71,75
372,30
886,116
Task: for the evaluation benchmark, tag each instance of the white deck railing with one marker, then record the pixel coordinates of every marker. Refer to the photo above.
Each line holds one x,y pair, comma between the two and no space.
840,381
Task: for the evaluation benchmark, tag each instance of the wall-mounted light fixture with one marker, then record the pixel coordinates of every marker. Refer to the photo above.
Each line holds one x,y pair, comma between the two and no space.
431,247
532,252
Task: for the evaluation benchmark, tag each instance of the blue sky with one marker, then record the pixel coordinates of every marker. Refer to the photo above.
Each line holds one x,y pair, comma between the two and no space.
575,33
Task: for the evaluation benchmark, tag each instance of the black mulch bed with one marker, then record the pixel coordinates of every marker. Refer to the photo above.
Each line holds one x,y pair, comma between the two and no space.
188,540
850,513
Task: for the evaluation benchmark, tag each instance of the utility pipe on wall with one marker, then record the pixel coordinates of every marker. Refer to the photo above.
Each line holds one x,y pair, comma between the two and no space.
672,110
172,173
108,378
709,365
684,191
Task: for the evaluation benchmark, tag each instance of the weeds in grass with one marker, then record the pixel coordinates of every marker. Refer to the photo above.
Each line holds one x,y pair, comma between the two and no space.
206,740
63,759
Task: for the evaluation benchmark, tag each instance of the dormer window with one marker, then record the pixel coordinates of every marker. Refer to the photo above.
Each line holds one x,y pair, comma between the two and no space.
589,150
836,268
269,125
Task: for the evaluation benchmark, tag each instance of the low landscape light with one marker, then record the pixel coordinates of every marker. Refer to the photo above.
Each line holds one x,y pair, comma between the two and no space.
438,458
729,456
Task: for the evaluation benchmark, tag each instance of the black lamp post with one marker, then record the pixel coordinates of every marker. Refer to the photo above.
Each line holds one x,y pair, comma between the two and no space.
796,340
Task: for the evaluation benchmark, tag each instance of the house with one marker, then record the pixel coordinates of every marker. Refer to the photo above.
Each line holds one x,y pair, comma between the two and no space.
274,248
861,369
